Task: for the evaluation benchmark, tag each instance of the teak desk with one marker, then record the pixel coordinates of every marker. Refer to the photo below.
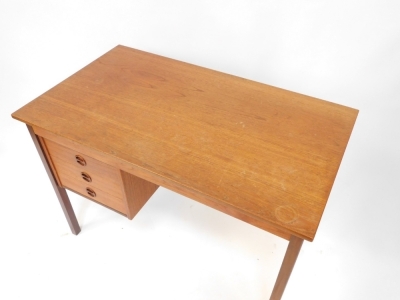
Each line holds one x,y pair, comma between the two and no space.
131,121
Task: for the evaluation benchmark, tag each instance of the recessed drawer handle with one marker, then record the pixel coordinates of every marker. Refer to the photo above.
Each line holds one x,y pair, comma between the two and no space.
86,177
90,192
80,160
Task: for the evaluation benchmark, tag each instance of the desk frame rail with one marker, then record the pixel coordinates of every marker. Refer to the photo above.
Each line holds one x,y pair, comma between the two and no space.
285,271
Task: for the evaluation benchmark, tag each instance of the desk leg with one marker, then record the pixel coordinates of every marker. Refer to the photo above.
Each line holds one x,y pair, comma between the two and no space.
60,192
289,260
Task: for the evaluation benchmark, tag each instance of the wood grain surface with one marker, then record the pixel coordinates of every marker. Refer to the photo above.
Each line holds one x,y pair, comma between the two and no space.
265,152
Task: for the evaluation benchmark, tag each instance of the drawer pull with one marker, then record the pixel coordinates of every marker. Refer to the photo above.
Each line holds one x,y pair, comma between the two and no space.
90,192
80,160
86,177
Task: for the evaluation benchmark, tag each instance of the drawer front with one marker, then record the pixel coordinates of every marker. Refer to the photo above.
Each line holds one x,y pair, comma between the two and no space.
95,194
77,171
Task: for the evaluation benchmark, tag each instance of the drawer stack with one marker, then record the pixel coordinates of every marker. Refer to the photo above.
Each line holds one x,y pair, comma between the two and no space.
87,176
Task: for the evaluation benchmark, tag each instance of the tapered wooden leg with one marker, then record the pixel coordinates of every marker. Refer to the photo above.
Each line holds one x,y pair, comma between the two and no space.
60,192
289,260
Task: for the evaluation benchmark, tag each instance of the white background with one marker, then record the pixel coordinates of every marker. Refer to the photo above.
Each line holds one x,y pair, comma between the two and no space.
346,52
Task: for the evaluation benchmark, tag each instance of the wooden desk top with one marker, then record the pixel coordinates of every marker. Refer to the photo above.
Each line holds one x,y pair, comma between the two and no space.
268,153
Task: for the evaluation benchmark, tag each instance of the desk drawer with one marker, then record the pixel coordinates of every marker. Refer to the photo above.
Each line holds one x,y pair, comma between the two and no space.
87,176
95,194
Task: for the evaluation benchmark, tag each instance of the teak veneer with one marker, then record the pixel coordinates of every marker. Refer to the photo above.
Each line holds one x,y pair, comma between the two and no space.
131,121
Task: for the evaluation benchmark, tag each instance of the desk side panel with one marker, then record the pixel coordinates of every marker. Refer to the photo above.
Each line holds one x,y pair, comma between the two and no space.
137,192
